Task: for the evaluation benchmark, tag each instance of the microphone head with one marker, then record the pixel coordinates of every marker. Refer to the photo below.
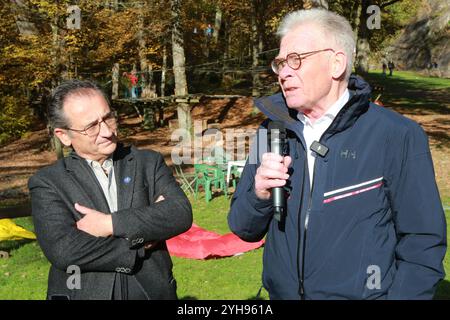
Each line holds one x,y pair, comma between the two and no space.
277,125
277,134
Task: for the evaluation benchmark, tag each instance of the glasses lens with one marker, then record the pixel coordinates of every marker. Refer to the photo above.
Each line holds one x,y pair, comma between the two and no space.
274,66
93,129
111,120
277,65
294,61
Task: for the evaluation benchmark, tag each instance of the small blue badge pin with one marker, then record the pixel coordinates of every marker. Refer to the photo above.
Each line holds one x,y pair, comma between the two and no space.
127,180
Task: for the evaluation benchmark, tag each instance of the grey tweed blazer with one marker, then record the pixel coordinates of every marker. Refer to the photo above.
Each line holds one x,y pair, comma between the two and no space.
141,176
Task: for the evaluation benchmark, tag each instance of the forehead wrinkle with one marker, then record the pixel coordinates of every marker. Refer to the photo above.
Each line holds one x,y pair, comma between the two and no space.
85,95
304,37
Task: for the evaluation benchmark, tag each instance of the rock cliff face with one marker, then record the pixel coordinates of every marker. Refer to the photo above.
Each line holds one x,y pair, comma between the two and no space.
424,43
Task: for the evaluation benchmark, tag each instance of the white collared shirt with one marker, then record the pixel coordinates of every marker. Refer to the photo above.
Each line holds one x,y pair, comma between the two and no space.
107,180
313,131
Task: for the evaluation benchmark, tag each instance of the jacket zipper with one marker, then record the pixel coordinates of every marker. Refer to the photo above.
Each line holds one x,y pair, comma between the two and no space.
308,212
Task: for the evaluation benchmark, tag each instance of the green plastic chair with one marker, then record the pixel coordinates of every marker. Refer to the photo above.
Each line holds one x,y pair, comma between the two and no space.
186,180
235,176
209,176
220,178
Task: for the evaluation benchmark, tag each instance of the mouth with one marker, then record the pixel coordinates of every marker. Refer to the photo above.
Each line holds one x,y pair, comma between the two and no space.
106,143
290,89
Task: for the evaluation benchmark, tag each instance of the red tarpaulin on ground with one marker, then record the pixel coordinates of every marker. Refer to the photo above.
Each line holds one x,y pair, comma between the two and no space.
198,243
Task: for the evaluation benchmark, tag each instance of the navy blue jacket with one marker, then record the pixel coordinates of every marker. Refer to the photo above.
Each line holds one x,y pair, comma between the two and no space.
371,227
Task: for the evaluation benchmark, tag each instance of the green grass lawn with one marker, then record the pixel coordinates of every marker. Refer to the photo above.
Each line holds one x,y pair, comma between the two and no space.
443,290
236,277
408,92
24,274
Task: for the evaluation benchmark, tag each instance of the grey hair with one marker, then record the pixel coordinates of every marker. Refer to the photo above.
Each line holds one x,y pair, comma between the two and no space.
56,116
329,23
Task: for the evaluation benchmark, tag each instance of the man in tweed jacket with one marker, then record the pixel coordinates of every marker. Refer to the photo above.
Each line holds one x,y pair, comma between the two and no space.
103,213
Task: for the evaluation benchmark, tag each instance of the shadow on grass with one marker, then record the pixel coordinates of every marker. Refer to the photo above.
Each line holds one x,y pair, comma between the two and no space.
412,96
15,209
226,109
442,137
37,142
443,291
258,296
11,245
416,97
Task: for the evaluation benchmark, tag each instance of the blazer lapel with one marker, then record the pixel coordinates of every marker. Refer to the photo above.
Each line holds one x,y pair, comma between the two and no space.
125,174
87,184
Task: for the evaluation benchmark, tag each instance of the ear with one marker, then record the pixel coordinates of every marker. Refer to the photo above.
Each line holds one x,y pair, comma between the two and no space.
339,65
63,136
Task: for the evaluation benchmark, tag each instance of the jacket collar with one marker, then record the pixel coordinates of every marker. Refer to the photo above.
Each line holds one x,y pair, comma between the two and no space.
275,108
124,171
125,174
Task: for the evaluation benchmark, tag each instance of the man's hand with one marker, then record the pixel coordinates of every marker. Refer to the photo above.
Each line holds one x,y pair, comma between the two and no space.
94,222
271,173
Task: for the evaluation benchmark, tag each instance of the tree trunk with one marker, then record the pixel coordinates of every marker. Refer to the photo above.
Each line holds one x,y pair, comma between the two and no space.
217,23
56,47
362,43
255,62
355,17
179,69
112,4
146,82
257,45
226,49
164,70
115,81
55,51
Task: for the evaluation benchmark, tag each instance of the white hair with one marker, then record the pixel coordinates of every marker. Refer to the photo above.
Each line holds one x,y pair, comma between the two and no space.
330,23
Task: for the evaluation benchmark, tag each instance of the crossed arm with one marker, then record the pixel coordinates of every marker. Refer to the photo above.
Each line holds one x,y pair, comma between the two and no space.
101,242
99,224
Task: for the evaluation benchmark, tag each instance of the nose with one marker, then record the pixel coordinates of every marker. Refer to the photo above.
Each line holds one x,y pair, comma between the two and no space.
285,72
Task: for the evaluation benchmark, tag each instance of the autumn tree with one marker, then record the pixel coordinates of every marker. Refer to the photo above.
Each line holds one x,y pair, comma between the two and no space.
179,63
166,43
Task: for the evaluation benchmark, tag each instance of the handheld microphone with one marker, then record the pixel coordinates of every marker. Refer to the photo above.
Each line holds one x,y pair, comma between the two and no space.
277,133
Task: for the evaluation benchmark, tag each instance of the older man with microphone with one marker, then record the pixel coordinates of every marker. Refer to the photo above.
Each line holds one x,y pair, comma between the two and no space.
362,216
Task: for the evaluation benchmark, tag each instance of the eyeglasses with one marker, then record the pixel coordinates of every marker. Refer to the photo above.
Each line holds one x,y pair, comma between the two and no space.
293,60
93,129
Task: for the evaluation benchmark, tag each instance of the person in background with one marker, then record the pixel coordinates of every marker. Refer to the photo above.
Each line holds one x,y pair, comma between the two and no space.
133,83
384,68
391,67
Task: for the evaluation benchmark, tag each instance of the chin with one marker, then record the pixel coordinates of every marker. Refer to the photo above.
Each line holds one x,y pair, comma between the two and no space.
109,149
295,103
